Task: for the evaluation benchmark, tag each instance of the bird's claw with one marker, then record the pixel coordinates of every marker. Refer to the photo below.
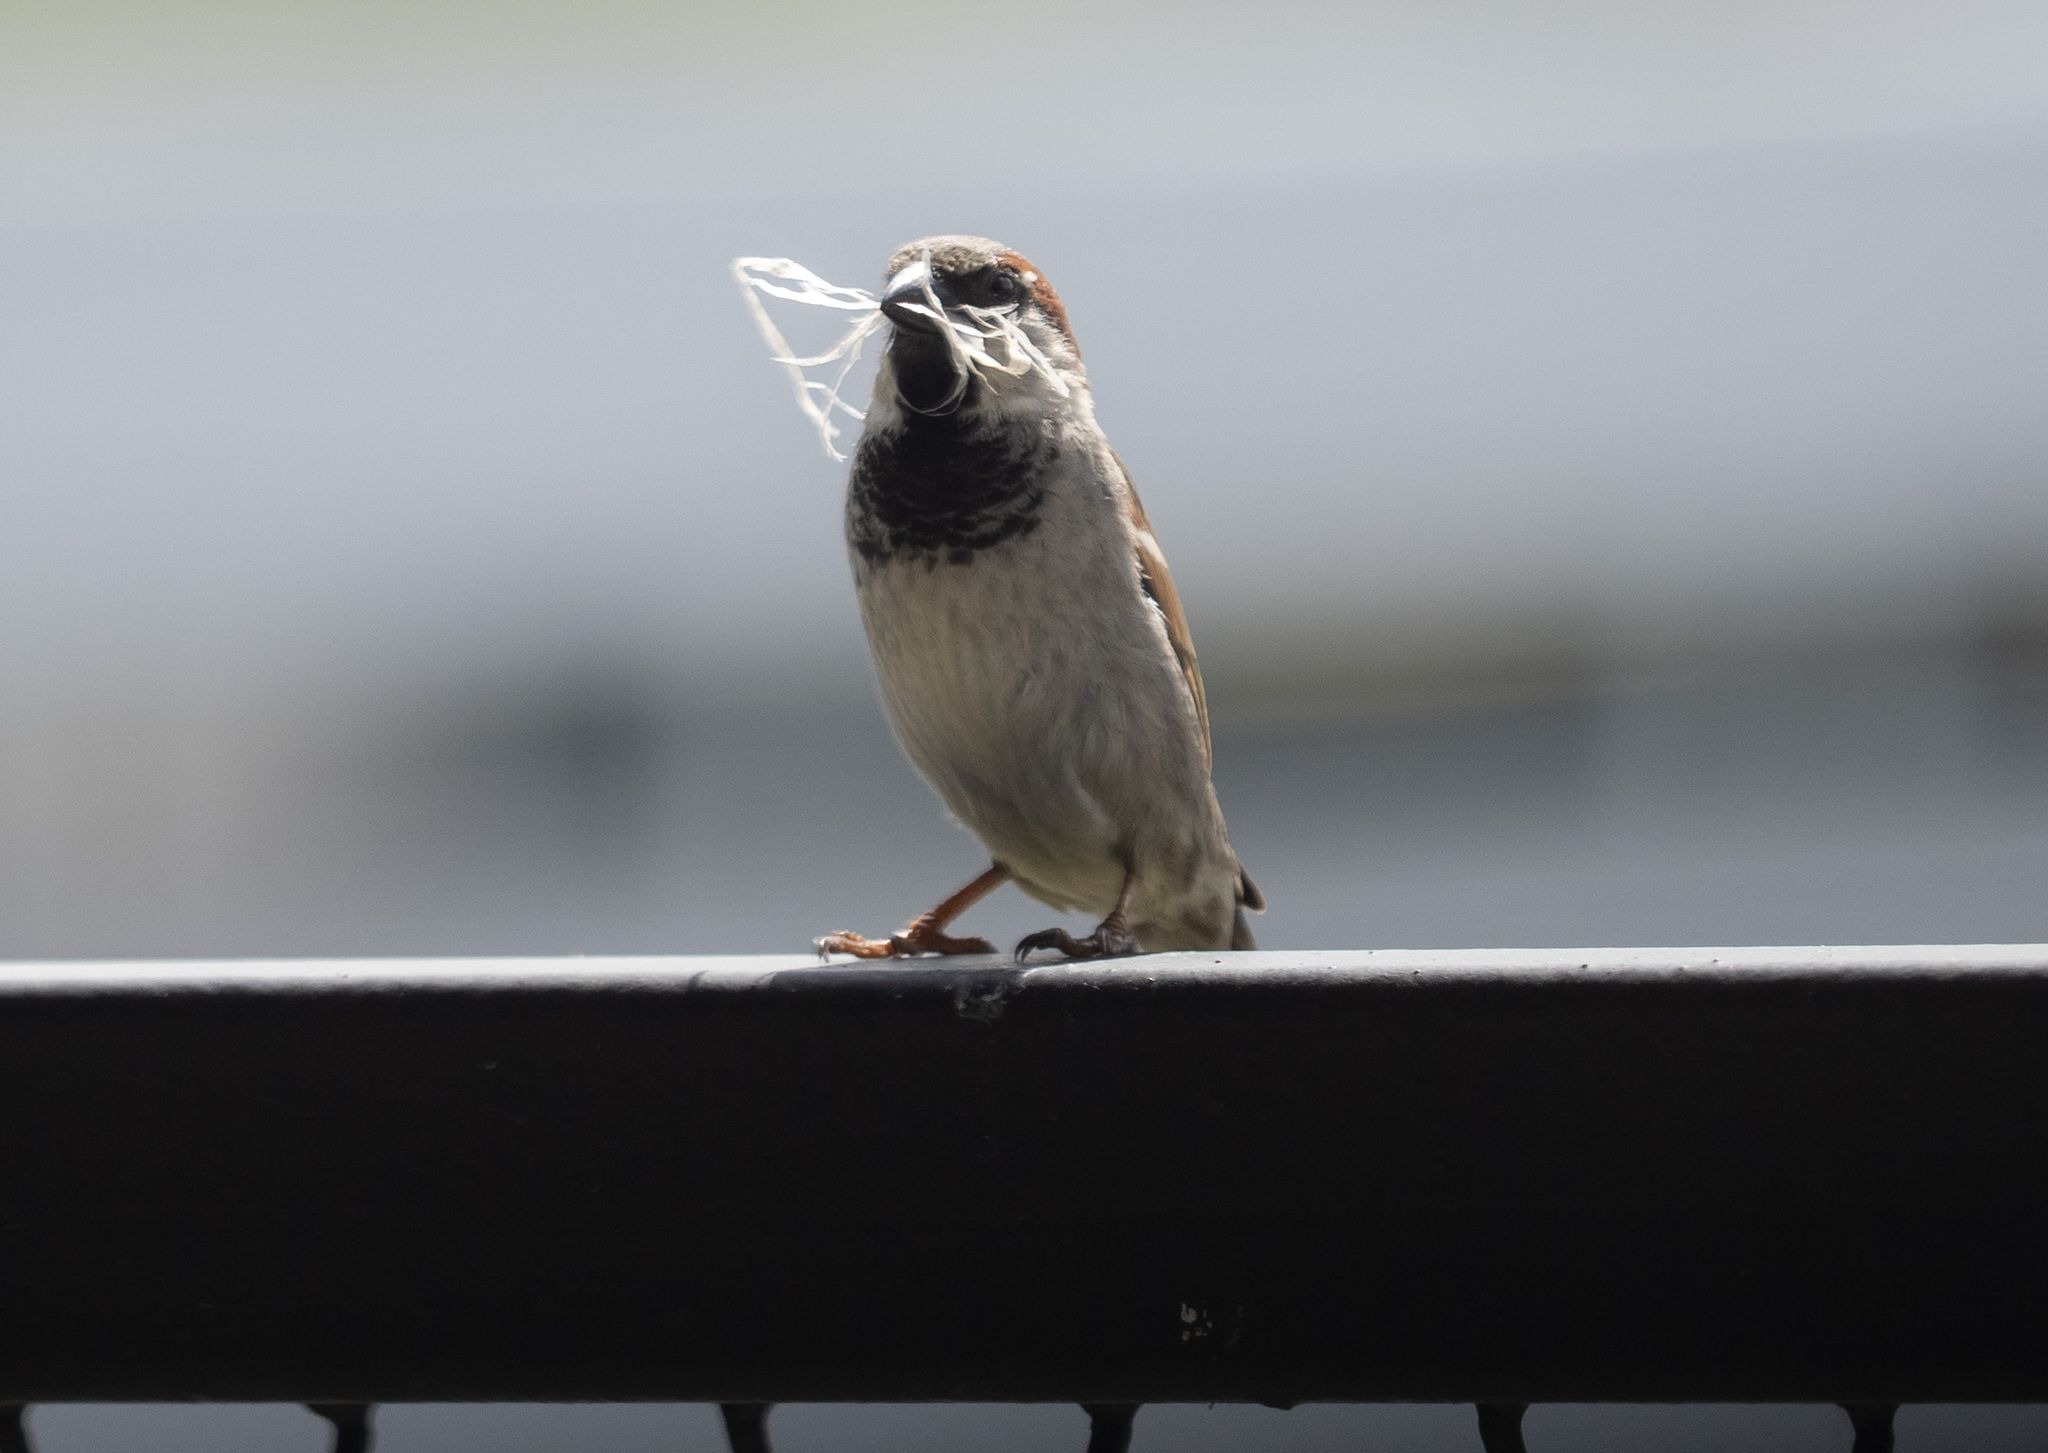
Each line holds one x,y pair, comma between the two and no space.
1109,941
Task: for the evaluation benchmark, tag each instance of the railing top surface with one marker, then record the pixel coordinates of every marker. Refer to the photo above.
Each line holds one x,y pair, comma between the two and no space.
798,971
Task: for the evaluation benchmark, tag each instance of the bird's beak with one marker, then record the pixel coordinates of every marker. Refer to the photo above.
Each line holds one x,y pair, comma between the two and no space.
914,284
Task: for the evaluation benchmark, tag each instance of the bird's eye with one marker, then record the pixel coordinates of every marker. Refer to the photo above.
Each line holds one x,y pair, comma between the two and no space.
997,285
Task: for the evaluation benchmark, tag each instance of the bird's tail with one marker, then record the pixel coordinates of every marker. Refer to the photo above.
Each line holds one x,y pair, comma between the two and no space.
1248,896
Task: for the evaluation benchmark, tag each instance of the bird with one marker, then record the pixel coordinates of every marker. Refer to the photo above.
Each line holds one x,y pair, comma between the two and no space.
1033,655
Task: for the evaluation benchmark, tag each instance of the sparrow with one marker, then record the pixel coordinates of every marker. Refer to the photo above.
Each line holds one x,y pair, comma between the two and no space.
1033,655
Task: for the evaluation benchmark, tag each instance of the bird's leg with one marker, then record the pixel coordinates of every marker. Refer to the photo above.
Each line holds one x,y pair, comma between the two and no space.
926,933
1111,939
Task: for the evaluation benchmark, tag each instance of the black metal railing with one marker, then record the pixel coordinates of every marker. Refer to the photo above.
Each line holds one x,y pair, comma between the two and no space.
1811,1175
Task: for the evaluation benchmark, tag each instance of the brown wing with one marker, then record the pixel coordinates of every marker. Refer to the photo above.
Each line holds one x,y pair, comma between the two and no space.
1158,586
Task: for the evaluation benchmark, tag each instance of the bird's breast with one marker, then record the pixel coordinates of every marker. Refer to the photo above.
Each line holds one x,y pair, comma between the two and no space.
1031,683
943,490
994,653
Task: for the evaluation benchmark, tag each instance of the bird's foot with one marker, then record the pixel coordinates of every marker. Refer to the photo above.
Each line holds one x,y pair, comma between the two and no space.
1111,940
920,937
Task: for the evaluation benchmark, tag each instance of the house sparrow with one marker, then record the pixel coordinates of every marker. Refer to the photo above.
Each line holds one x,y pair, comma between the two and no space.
1033,655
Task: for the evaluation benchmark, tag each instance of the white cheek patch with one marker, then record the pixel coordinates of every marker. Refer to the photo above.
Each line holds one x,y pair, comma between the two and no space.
983,341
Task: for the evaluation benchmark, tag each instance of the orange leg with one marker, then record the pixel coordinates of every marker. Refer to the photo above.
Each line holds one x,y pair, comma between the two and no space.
926,933
1111,939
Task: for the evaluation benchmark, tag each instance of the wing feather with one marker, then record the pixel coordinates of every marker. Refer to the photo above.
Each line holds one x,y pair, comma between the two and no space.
1157,583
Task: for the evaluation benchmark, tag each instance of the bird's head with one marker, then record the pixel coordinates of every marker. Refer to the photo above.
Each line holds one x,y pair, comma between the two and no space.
989,288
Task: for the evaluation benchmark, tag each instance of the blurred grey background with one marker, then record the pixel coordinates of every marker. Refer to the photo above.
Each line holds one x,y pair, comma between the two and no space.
1602,447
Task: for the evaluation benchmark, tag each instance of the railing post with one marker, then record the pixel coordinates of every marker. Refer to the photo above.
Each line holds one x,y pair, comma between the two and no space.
746,1427
351,1423
1500,1426
1109,1426
1873,1425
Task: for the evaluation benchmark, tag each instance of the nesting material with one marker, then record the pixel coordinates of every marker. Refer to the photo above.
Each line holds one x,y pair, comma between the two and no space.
983,341
780,277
